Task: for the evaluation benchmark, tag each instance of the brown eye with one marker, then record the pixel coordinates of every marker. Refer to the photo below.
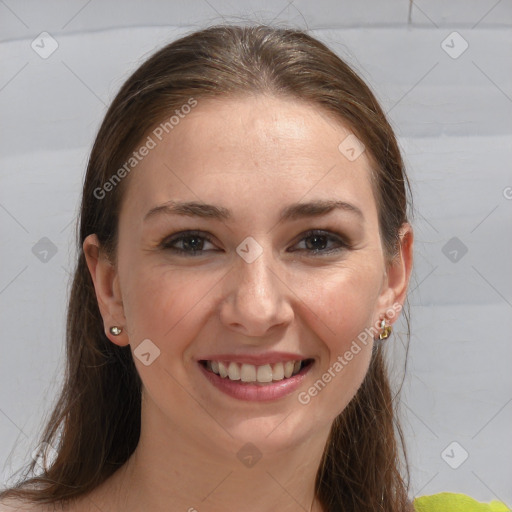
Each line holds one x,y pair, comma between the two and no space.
192,243
317,242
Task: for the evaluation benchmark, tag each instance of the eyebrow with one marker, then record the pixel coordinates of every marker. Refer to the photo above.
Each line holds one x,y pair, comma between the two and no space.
291,212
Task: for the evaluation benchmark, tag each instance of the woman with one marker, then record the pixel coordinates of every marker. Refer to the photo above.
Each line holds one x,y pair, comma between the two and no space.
245,250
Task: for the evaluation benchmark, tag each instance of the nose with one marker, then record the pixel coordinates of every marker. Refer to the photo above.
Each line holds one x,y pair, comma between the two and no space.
257,300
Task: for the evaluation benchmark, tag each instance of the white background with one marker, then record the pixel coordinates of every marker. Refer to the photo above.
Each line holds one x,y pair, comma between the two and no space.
453,120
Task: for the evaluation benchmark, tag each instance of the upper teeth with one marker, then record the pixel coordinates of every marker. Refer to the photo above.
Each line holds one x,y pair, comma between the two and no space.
251,373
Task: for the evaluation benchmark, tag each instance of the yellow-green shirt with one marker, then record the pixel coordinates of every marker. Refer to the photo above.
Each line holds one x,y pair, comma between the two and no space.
456,502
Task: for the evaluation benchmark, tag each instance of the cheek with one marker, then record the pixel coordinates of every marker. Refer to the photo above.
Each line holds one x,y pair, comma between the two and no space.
166,307
169,307
160,298
343,307
344,302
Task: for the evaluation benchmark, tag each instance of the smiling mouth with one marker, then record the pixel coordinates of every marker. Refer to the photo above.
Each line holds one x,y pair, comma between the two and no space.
256,374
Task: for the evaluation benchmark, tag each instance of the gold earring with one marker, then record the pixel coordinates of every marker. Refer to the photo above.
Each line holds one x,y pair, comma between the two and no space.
116,331
386,330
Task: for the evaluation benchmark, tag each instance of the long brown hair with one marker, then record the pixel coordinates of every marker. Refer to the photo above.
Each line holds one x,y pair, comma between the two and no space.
95,425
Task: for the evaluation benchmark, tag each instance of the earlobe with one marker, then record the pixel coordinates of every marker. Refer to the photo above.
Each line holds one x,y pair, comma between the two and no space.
104,277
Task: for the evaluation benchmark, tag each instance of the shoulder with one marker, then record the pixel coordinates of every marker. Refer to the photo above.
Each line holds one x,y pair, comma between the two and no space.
12,505
18,505
456,502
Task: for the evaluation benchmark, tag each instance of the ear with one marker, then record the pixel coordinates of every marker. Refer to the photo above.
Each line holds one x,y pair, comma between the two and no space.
397,276
108,293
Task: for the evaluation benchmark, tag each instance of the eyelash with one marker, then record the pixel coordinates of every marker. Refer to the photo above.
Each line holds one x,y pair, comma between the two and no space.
330,236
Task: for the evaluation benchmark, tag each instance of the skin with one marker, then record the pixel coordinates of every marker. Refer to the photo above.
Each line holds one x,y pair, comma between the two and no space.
253,155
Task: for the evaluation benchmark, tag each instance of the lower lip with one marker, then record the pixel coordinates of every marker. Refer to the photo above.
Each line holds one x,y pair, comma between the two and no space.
253,392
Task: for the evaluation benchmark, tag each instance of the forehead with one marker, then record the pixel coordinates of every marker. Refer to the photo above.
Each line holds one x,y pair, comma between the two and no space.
248,151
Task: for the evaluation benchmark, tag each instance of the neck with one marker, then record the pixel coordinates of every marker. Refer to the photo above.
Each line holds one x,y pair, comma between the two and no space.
172,471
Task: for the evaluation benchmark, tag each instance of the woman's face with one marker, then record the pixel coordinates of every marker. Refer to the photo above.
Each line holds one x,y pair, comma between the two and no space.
249,287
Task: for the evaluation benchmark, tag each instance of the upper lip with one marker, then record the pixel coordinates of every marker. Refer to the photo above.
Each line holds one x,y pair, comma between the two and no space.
257,360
